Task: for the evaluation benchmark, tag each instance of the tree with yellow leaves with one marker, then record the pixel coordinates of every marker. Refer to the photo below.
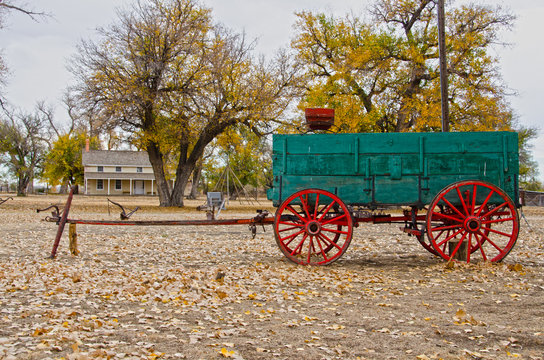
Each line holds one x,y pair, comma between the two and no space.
382,75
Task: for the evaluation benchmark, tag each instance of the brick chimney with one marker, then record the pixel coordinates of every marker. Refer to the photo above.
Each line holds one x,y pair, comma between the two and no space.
87,144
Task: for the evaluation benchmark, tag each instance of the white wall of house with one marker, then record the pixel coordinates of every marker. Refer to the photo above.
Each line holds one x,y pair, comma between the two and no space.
120,187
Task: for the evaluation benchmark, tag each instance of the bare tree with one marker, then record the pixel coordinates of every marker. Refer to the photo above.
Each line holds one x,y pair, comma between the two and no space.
21,147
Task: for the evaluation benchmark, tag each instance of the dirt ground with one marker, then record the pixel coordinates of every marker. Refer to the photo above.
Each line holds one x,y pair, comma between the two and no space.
214,292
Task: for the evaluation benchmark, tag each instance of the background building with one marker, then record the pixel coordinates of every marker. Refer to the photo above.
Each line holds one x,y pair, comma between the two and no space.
112,172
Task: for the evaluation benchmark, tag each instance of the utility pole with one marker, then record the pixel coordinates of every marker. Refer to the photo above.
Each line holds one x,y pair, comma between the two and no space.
443,66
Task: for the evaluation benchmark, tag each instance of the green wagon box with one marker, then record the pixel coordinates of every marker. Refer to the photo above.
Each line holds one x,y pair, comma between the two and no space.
394,168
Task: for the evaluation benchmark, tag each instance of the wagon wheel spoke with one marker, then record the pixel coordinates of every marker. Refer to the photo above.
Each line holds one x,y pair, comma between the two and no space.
492,243
316,206
291,237
304,202
321,230
326,211
498,232
480,243
321,250
335,231
452,254
338,233
331,243
462,200
496,209
474,193
290,208
333,220
496,221
299,246
448,227
484,204
294,226
454,208
443,242
446,216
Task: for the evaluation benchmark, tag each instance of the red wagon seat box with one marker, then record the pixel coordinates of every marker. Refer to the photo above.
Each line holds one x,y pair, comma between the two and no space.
319,118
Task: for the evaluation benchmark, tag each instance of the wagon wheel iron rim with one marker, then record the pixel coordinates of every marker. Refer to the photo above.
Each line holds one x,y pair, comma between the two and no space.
313,227
426,243
475,212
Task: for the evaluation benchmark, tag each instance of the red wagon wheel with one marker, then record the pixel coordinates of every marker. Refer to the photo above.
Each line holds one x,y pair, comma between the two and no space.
313,227
475,212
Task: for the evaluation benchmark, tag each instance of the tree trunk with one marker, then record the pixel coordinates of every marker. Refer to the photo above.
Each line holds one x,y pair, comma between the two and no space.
30,185
186,167
180,185
197,173
22,184
156,160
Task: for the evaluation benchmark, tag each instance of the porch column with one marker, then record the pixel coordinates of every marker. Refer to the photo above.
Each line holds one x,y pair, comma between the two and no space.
108,186
86,190
130,186
152,186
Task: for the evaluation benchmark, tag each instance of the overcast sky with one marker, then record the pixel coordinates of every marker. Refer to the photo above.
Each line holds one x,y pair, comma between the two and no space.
37,52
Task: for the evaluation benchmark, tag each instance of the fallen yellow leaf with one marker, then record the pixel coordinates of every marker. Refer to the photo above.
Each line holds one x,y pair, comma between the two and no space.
226,353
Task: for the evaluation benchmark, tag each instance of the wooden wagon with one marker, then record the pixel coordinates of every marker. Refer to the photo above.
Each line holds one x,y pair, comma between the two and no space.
458,191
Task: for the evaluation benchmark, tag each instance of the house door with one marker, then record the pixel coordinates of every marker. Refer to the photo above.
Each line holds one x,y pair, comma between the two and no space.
139,188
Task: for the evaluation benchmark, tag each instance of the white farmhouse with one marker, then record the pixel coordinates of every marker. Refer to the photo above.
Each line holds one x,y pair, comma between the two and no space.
112,172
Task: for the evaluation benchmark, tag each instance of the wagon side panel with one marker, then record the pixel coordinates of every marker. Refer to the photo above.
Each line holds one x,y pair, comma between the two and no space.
392,169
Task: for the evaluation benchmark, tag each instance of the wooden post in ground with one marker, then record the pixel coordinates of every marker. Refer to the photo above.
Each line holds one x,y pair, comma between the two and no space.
72,235
461,254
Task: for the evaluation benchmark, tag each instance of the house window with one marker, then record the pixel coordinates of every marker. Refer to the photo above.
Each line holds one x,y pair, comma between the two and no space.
99,184
118,185
118,169
100,168
139,169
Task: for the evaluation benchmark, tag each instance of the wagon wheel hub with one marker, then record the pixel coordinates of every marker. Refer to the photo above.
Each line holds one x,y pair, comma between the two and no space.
472,224
313,227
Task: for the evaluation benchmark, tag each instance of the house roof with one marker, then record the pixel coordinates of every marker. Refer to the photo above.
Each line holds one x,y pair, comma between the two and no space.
115,158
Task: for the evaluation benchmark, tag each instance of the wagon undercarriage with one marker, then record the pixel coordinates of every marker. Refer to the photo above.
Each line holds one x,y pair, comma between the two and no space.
467,220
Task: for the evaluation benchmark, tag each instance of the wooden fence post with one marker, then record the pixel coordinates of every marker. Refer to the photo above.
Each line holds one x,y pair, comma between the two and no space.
72,235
